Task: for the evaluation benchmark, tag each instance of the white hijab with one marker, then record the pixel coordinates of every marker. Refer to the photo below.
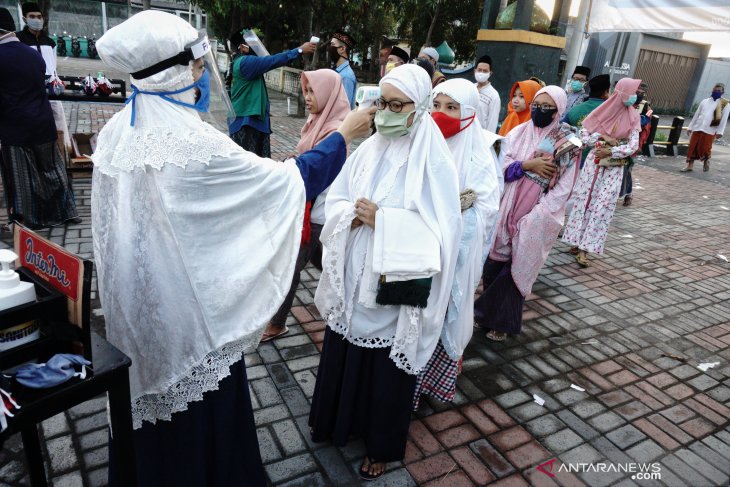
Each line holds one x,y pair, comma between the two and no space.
477,168
195,239
430,188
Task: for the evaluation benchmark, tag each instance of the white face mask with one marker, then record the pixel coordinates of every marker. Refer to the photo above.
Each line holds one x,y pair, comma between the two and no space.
482,77
35,24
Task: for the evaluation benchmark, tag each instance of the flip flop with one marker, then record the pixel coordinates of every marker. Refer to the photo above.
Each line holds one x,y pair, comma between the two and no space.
496,336
574,251
685,169
706,166
582,260
366,475
270,336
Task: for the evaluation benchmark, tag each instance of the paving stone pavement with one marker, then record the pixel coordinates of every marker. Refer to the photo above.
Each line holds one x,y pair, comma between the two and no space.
629,332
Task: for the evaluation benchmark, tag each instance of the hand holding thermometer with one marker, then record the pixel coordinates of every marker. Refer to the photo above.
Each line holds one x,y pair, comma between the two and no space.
366,96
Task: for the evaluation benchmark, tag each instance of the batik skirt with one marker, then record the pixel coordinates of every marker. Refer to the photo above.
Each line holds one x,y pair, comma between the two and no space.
37,190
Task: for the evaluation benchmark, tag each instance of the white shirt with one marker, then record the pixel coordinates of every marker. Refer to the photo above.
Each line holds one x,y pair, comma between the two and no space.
489,106
703,117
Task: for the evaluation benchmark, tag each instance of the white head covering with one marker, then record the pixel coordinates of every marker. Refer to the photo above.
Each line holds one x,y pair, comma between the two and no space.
430,188
195,239
432,53
163,132
477,168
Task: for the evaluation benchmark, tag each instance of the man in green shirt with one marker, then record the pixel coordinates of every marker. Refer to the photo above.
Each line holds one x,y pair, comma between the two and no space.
599,87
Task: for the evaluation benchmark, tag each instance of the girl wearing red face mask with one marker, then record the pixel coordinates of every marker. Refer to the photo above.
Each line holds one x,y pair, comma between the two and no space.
453,109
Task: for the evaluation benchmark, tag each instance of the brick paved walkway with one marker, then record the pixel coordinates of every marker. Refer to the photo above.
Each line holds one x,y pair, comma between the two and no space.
630,331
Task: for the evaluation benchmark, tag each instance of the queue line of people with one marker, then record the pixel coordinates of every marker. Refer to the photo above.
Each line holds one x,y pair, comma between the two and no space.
413,218
426,183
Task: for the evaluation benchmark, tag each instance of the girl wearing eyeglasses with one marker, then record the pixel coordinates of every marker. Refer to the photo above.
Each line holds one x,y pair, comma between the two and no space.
391,242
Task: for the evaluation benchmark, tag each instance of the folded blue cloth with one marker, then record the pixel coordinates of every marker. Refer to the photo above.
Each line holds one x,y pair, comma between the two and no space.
58,369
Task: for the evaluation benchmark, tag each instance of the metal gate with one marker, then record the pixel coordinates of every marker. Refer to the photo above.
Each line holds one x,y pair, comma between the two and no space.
669,77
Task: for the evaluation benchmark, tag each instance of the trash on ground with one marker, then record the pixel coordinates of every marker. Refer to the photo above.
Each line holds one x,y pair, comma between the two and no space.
707,365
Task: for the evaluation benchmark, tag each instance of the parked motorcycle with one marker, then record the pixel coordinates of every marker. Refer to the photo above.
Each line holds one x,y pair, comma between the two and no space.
61,49
75,47
91,48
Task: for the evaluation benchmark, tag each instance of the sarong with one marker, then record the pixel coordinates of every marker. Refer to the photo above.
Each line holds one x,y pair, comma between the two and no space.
37,189
700,146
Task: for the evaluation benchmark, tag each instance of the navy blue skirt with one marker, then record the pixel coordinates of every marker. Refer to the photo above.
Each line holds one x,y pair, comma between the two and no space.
499,307
360,392
212,443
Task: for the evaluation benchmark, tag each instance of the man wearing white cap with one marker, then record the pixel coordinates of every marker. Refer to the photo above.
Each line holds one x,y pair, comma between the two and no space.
431,55
195,242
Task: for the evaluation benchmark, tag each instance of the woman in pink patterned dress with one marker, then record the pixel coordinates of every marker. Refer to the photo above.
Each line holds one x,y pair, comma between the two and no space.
542,158
613,128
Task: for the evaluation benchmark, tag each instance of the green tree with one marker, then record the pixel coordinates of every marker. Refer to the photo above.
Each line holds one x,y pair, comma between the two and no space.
430,22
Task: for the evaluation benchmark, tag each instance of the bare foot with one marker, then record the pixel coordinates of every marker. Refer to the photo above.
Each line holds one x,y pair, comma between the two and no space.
371,470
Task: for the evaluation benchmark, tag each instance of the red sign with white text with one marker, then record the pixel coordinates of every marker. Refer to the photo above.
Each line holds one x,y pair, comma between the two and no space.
52,263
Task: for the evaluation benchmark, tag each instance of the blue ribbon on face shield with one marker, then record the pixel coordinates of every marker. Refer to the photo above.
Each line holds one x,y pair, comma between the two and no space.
202,104
57,370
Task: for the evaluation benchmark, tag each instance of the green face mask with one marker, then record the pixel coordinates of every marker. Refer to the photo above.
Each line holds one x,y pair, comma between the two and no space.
391,124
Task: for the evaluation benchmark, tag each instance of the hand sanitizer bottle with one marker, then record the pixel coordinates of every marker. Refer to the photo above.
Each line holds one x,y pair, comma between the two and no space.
14,292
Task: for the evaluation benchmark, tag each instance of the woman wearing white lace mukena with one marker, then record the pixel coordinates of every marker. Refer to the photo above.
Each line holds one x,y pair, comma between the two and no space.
195,242
391,241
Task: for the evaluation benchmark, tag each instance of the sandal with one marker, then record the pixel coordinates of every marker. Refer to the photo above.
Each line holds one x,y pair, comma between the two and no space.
365,474
496,336
685,169
628,200
270,336
706,166
582,260
574,251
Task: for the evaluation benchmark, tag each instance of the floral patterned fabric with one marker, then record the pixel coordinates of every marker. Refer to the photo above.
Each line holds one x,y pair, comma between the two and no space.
595,196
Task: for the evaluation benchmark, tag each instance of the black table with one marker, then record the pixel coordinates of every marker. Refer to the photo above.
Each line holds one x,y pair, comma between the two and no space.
111,375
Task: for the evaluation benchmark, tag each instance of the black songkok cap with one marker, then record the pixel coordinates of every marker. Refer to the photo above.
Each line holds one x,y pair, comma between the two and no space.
397,51
485,59
30,7
584,70
599,84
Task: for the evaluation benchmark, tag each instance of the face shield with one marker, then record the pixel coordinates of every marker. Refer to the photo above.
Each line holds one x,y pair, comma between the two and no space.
253,41
220,112
212,101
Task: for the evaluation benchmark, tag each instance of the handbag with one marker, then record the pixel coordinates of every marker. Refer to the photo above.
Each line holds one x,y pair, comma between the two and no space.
413,292
610,161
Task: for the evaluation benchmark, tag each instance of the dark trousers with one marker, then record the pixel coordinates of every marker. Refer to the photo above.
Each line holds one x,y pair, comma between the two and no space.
360,391
499,307
253,141
312,250
212,443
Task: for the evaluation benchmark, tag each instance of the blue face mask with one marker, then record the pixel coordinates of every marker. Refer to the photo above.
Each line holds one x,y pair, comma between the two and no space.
57,370
576,85
202,103
630,101
716,94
